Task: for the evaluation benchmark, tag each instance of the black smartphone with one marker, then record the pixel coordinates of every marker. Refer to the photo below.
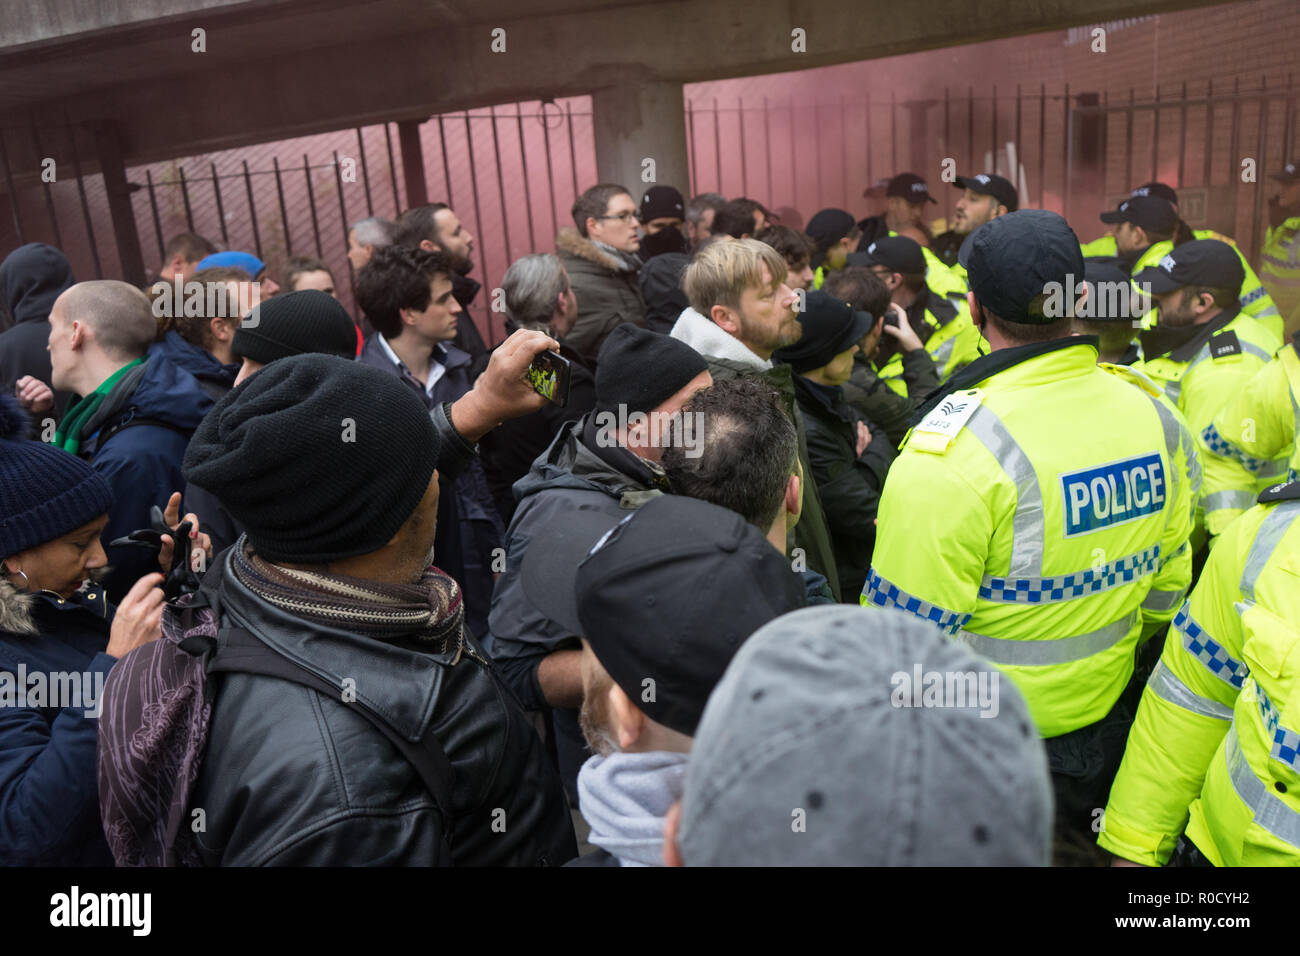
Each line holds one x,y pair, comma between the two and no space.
548,374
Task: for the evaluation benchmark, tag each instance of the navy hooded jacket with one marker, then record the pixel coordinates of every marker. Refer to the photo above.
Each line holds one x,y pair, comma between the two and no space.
136,440
215,378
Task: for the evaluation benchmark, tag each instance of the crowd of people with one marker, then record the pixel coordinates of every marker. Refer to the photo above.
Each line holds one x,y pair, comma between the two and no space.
877,541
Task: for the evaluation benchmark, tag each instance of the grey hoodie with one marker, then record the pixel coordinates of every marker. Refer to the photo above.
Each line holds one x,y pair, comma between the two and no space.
625,798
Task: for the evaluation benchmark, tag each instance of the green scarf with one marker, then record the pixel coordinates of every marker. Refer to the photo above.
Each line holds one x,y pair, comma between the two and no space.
68,435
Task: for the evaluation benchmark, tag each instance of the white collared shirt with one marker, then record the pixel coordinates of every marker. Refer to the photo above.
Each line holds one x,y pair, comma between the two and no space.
437,368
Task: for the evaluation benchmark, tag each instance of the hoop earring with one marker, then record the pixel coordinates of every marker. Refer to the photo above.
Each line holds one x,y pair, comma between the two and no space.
27,585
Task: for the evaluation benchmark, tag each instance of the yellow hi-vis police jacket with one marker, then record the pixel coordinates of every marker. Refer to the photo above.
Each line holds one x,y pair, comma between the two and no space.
1280,268
1251,444
1215,741
1042,518
1206,373
1254,298
953,342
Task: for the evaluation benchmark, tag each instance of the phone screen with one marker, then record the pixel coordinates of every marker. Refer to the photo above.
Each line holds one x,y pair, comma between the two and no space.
549,376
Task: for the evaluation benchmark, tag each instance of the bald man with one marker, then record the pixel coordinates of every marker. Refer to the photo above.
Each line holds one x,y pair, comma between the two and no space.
132,415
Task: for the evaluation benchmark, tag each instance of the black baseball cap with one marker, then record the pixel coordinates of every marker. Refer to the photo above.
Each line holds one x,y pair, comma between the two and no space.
1011,261
1152,213
878,189
1290,173
662,202
991,184
667,594
911,187
898,253
1203,262
830,327
1159,190
1118,302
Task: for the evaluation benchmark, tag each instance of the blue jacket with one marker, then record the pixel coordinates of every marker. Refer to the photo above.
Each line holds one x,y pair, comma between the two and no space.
216,378
469,528
141,462
49,795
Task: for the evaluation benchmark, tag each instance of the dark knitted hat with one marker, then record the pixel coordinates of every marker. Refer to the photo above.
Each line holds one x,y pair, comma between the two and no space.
318,457
44,491
641,369
296,323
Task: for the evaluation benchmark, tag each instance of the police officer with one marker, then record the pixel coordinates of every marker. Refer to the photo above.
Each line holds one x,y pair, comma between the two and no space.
985,196
1214,747
1145,227
834,234
1255,300
1246,440
906,198
1203,350
944,325
1281,254
1037,513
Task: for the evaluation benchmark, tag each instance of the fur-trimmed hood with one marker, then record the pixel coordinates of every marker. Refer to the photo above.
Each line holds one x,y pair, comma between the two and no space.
15,609
569,241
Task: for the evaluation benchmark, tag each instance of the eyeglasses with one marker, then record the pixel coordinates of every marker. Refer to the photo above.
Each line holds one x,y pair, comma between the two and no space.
626,217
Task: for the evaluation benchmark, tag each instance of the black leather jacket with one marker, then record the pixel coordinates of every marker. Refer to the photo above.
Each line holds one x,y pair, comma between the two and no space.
293,777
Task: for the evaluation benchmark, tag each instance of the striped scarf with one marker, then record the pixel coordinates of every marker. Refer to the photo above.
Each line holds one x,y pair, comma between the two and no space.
430,612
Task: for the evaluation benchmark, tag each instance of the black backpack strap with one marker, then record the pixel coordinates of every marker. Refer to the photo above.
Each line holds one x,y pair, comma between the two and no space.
239,651
109,431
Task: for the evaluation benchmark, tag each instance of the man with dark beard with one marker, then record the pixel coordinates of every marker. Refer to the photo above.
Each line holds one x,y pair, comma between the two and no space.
654,645
436,228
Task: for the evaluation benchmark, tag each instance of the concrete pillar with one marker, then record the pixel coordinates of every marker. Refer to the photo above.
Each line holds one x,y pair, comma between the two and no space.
108,148
634,122
408,140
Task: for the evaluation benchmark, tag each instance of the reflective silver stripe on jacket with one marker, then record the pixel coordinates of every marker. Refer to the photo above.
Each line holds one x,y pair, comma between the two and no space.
1240,500
1173,389
1165,684
1269,811
1266,539
1162,600
1063,650
1027,526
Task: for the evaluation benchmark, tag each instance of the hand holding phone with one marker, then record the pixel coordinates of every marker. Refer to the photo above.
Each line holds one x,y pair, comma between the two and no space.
549,375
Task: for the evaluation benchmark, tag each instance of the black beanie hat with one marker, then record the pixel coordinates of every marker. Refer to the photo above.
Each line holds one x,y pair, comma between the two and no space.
830,326
296,323
640,369
320,458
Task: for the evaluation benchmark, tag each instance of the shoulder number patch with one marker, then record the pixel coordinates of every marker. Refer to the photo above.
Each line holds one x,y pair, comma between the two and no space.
1112,494
1224,344
941,425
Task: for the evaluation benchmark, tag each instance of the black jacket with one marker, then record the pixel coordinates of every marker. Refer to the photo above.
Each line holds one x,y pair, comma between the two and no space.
509,450
849,484
31,278
879,404
661,287
468,339
293,777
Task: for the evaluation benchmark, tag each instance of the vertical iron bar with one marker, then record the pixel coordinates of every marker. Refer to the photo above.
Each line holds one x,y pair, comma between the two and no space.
744,166
1234,148
365,172
893,132
947,147
523,161
221,212
1182,137
392,172
1042,145
311,204
153,208
694,176
970,129
1207,172
1155,137
49,196
573,153
13,193
343,206
81,189
817,152
844,156
993,130
1261,151
478,216
284,210
1068,139
501,185
717,146
869,143
1015,173
1128,140
550,172
767,145
794,180
446,166
252,212
185,198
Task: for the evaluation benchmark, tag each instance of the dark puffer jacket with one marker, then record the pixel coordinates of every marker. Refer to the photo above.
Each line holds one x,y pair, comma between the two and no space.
293,777
608,293
49,796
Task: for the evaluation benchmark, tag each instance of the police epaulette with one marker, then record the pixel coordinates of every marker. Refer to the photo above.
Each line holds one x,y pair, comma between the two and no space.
944,309
1225,343
1287,491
